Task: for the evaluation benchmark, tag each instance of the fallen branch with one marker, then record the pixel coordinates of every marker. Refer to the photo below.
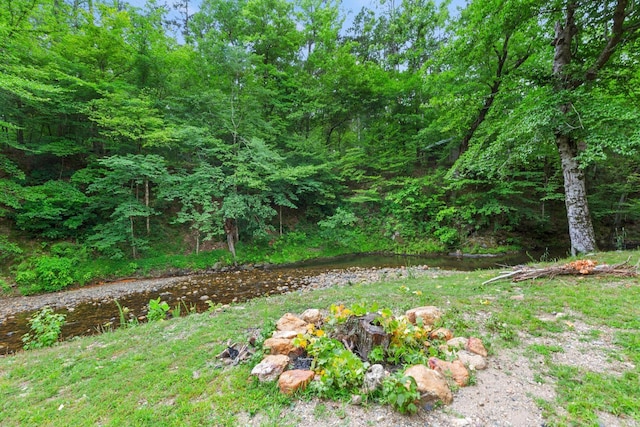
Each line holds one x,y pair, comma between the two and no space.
575,268
232,355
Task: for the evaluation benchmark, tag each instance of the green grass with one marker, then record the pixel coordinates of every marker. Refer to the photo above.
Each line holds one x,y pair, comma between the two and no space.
165,373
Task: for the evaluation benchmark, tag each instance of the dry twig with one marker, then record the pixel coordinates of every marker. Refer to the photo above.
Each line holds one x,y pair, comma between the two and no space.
579,267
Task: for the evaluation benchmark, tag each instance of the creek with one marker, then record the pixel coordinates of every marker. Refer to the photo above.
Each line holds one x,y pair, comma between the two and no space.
95,311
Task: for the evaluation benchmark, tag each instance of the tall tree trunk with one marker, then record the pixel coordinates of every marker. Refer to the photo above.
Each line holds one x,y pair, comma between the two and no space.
580,226
482,115
230,230
146,203
575,198
134,250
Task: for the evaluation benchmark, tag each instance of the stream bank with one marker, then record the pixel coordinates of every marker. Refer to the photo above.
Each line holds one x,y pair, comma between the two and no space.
89,309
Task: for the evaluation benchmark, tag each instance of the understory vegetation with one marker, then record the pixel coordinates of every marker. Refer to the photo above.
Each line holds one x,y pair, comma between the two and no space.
134,139
166,372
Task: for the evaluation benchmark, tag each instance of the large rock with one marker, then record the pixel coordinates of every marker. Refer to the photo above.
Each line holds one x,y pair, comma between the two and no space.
289,322
373,378
454,370
457,343
475,345
281,346
431,384
441,334
290,381
429,314
312,315
472,361
287,335
271,367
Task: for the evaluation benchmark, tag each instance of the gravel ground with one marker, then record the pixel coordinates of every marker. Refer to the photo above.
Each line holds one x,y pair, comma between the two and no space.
503,396
71,298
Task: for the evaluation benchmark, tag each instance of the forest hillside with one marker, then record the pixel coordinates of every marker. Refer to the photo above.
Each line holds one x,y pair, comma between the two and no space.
260,125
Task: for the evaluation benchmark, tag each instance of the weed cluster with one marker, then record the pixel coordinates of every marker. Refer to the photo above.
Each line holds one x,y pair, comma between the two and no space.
341,372
158,310
401,392
45,327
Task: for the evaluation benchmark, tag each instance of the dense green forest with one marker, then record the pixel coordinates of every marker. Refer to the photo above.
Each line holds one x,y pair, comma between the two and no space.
128,132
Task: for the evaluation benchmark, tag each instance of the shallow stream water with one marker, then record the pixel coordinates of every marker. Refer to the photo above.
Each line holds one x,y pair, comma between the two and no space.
197,292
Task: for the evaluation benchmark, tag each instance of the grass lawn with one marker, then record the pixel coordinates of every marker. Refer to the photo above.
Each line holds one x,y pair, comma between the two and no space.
165,373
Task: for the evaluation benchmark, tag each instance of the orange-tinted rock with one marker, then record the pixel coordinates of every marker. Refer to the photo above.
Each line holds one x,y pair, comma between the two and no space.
290,381
281,346
474,345
312,315
454,370
289,322
429,315
441,334
288,335
271,367
431,384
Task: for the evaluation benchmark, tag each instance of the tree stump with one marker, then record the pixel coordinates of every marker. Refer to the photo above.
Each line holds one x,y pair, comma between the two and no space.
360,335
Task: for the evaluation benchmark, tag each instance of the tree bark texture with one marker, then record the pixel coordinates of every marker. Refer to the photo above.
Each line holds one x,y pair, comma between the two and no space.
580,226
134,251
575,197
230,230
361,336
146,203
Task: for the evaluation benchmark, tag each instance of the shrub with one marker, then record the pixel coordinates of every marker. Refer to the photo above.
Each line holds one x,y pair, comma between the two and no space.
70,250
45,274
8,249
53,210
45,327
339,229
4,286
410,344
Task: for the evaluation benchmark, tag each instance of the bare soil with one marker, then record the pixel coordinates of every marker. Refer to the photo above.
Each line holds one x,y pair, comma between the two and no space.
502,396
505,394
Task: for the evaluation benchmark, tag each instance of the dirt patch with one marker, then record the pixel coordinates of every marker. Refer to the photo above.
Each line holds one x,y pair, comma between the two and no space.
505,394
584,346
502,396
